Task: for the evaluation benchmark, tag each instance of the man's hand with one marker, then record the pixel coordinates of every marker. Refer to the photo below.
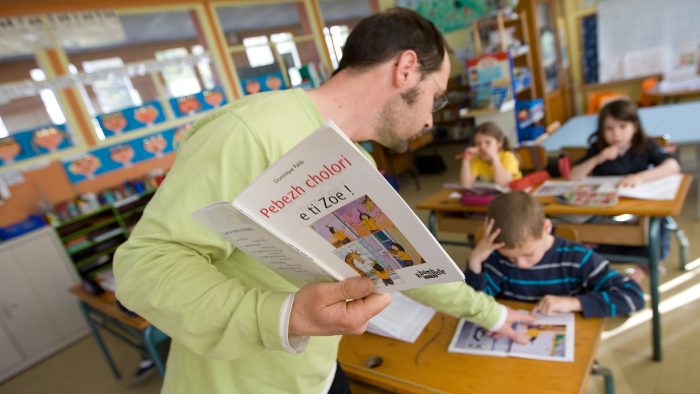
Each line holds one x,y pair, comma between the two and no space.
552,304
507,329
323,309
485,247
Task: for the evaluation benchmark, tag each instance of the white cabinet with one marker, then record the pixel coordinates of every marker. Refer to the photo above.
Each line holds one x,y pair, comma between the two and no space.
38,316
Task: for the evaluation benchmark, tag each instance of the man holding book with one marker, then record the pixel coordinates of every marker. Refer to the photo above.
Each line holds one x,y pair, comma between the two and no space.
236,325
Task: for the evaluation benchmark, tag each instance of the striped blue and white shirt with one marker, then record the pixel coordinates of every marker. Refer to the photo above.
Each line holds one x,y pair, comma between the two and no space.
566,269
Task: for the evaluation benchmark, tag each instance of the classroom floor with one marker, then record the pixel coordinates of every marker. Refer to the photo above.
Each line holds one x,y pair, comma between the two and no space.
625,349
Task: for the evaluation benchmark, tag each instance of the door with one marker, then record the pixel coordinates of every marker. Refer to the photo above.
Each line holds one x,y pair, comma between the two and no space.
10,357
23,313
550,58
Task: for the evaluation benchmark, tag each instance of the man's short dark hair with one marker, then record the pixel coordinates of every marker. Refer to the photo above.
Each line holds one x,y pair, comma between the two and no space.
382,36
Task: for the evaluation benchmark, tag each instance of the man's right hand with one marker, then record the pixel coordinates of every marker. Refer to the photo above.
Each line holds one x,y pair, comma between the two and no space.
324,309
507,329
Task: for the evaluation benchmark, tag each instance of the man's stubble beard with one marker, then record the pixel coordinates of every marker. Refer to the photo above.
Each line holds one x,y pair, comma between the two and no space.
387,133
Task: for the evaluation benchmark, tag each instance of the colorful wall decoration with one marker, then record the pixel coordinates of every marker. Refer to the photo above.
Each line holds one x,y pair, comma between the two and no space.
28,144
449,15
198,102
264,83
131,118
122,155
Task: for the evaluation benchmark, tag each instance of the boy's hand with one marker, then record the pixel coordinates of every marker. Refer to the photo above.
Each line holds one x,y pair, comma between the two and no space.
485,247
552,304
609,153
507,329
631,180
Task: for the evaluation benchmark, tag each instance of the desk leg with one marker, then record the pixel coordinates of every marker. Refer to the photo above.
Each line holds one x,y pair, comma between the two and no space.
98,337
654,244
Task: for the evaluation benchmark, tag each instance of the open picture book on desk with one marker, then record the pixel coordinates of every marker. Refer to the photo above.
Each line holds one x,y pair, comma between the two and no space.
322,212
551,338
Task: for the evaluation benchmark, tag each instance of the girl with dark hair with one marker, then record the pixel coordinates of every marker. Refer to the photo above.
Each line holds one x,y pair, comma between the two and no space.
620,147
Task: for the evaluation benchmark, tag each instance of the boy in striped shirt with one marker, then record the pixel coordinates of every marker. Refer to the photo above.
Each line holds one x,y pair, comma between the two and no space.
519,259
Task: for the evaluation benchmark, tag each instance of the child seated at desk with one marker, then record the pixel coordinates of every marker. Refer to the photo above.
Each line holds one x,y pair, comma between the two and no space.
519,259
620,147
490,159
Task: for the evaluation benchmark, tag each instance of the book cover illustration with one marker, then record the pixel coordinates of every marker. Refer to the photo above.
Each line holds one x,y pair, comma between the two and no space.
368,241
551,338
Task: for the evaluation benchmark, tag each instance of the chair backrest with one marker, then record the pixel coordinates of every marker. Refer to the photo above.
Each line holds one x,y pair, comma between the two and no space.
645,100
596,100
566,232
575,153
532,158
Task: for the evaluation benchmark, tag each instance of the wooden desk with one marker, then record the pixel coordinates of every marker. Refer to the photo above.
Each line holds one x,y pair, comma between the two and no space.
673,96
102,312
447,214
426,366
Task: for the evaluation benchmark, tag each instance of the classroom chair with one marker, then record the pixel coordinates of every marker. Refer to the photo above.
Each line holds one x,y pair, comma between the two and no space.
532,158
596,100
647,85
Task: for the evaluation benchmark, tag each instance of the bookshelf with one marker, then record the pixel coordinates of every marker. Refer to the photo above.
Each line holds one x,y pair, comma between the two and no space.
501,72
90,240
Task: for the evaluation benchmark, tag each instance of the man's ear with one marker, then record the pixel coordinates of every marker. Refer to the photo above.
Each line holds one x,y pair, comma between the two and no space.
547,228
407,65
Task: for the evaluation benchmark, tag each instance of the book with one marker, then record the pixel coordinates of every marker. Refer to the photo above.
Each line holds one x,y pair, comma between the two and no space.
323,212
551,338
404,319
597,192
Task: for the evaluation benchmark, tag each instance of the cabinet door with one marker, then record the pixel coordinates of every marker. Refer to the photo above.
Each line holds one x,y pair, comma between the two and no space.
10,357
24,315
44,263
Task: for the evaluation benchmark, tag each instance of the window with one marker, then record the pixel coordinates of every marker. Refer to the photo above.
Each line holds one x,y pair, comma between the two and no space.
335,41
204,68
113,93
48,98
284,42
258,51
180,79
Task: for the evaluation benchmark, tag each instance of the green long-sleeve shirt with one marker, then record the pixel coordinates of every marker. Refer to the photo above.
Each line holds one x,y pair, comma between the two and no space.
226,313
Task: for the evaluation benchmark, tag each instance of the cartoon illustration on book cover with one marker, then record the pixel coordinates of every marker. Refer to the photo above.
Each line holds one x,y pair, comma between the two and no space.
367,240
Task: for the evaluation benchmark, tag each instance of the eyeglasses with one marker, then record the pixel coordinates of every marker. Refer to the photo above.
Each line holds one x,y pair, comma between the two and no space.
440,101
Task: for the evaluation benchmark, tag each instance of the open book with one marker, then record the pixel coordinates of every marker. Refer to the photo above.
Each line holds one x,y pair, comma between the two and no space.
322,212
552,338
597,192
404,319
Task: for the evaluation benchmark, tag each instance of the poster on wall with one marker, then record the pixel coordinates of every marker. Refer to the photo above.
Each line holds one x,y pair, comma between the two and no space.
29,144
96,162
264,83
132,118
198,102
449,15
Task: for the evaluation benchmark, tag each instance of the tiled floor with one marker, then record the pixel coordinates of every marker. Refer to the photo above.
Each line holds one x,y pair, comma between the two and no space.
625,348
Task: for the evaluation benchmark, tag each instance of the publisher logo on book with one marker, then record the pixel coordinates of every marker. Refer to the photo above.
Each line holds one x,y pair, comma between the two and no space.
430,273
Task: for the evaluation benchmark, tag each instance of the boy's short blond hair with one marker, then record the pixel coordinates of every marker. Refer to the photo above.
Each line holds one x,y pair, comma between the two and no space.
519,216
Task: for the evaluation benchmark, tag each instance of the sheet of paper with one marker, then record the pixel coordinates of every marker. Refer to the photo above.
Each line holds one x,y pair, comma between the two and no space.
660,189
404,319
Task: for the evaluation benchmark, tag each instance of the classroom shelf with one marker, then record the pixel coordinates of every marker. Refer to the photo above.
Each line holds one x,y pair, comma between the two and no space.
90,240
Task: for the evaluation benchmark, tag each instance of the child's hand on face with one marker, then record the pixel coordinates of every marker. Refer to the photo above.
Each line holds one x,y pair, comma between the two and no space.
552,304
631,180
469,153
485,247
609,153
